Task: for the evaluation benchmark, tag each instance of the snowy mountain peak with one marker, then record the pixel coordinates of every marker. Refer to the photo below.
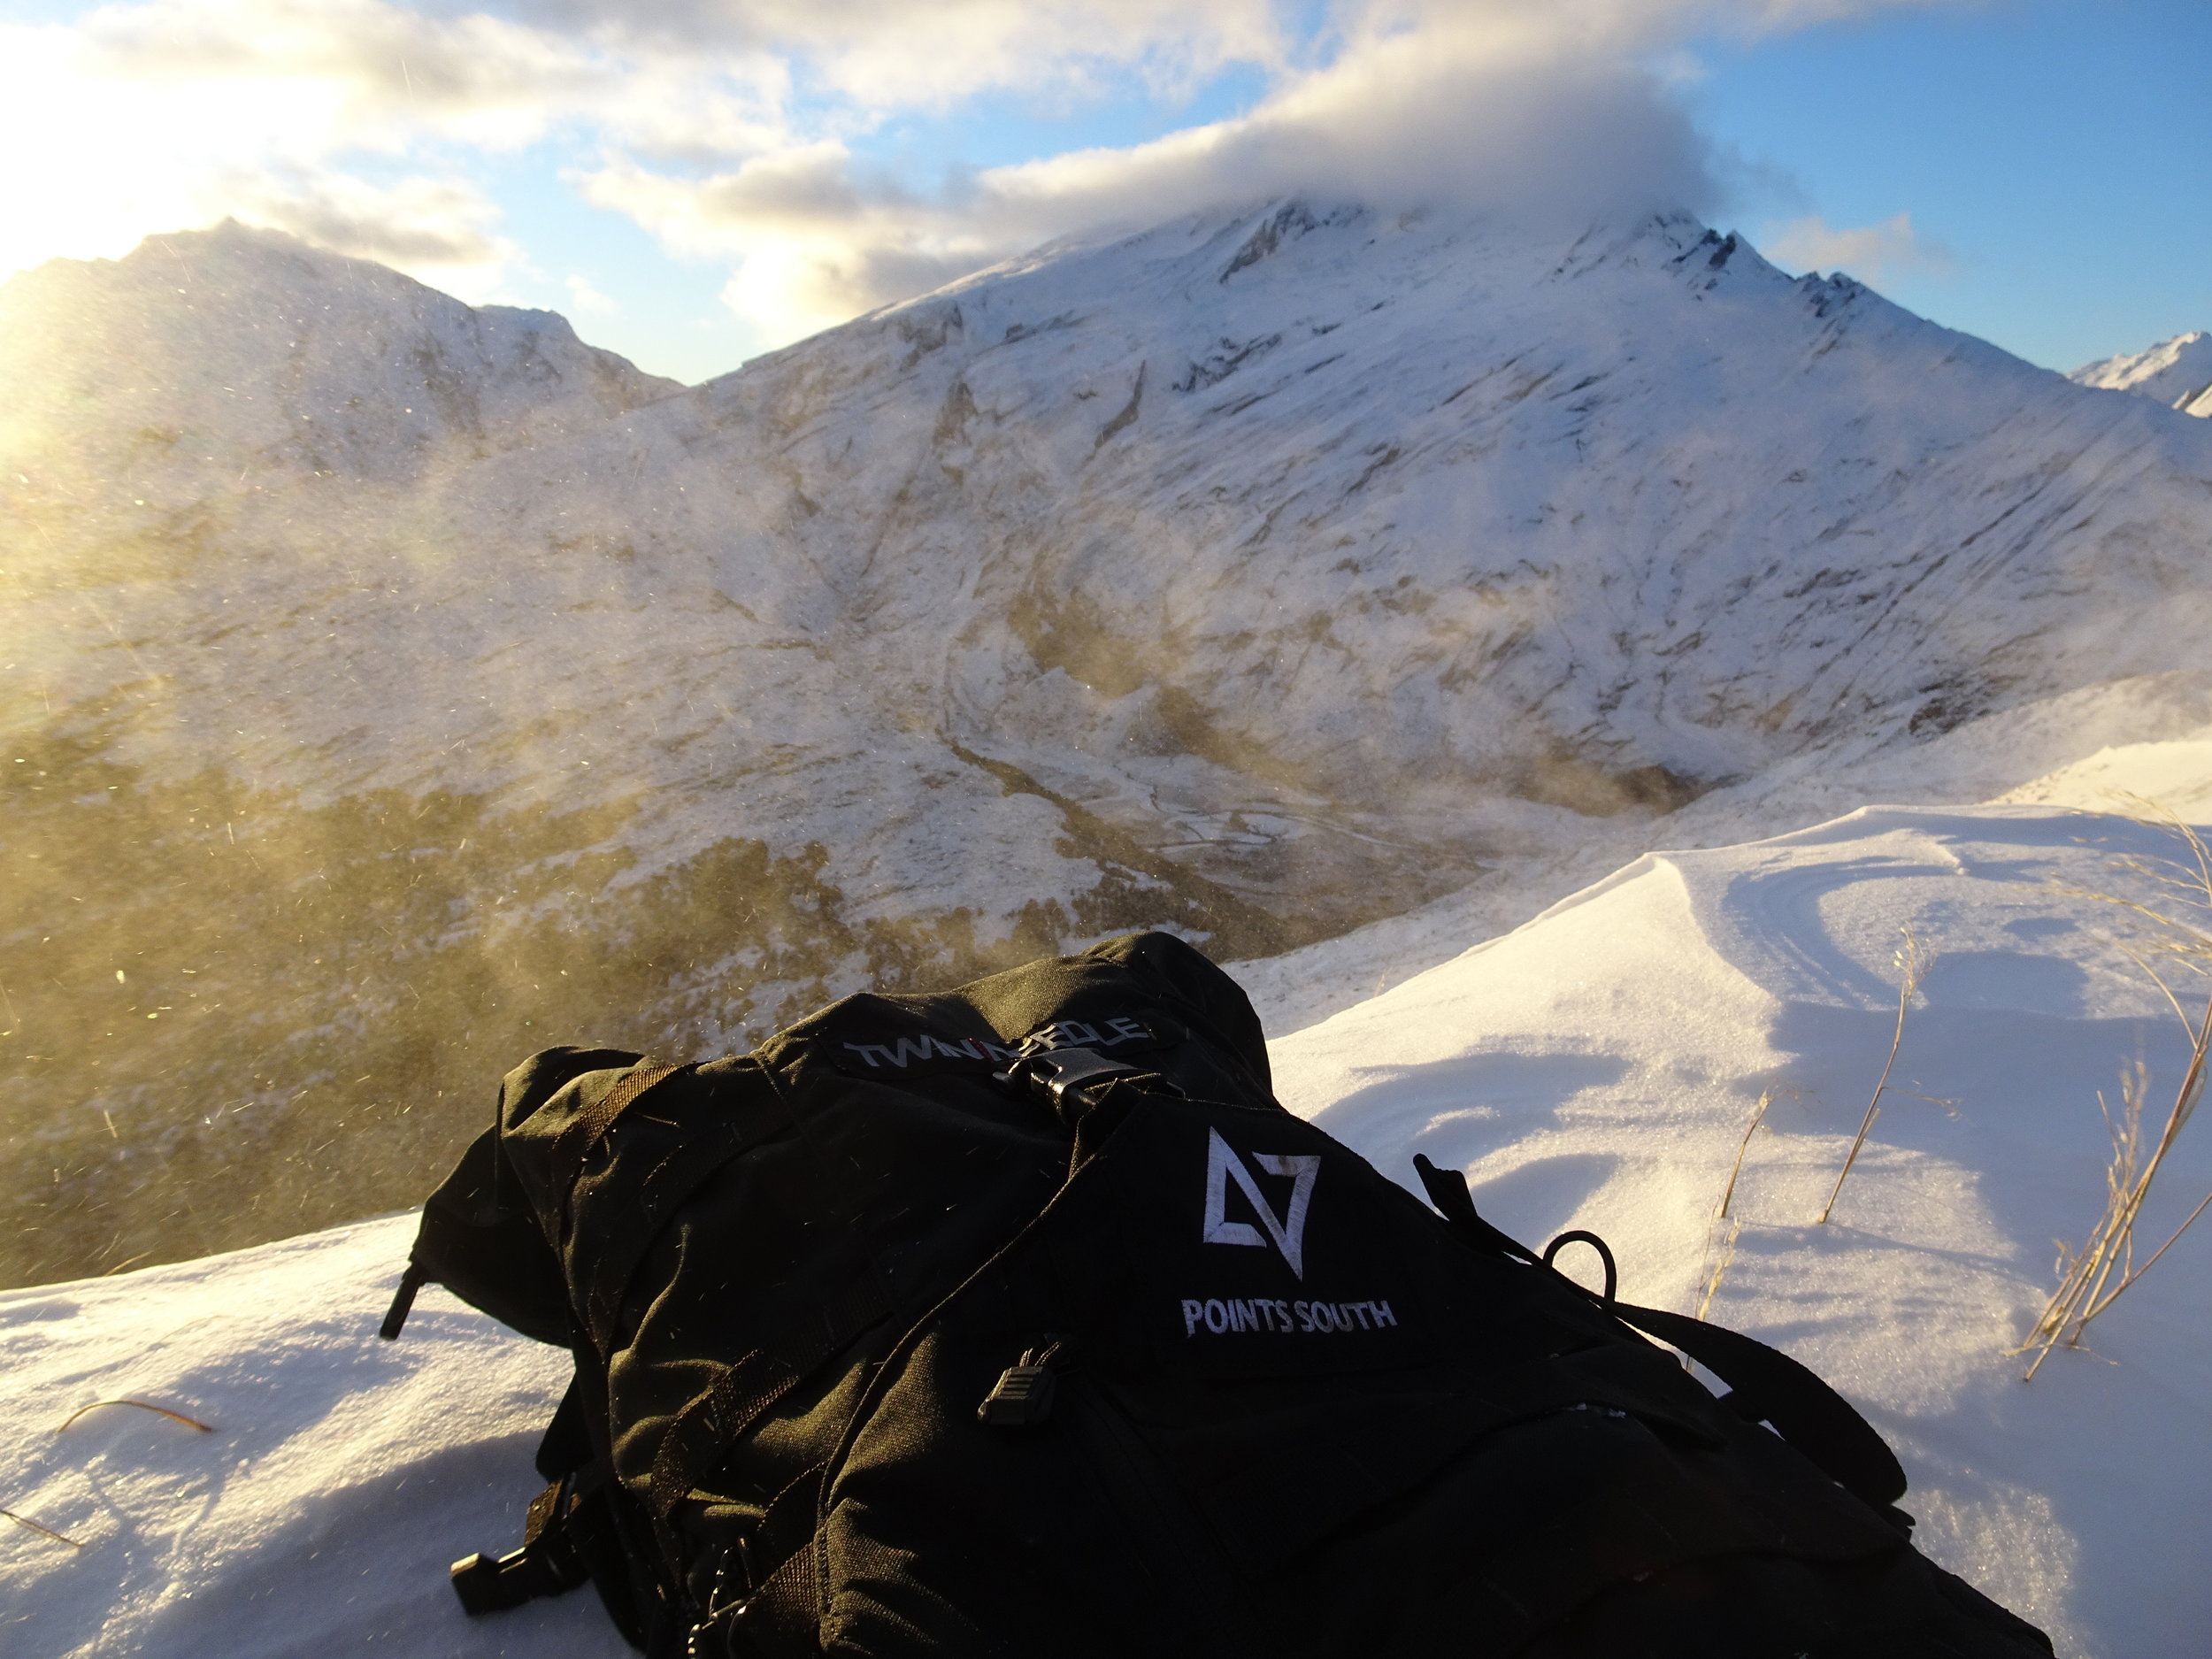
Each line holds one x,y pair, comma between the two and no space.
2177,372
212,361
1260,574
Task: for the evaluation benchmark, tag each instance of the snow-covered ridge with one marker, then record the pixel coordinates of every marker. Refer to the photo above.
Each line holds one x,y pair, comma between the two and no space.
1290,542
1263,573
211,363
1598,1068
2177,372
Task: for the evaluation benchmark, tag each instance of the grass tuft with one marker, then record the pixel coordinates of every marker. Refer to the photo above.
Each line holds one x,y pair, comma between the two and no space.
2092,1278
1908,960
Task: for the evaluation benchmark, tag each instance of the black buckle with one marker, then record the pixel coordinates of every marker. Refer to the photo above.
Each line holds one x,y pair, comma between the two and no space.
548,1564
1067,1077
1056,1070
488,1583
1022,1397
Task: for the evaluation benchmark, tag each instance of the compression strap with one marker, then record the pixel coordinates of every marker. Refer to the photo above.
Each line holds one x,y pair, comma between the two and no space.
583,1131
1769,1386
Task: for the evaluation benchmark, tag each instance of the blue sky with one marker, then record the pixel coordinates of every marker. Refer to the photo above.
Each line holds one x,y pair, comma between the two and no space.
694,180
2060,149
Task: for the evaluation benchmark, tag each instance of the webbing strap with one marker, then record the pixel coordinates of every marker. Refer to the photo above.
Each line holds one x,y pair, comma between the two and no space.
705,1430
565,1448
738,1394
402,1300
582,1132
1448,1191
742,1118
783,1614
1769,1386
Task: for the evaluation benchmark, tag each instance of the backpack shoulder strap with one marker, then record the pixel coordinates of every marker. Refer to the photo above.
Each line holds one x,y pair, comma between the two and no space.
583,1131
1769,1386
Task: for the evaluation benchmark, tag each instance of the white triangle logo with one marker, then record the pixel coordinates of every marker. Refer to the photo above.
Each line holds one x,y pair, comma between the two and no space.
1288,1232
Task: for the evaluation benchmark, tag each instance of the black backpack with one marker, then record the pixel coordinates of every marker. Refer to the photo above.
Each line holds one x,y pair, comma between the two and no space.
1021,1320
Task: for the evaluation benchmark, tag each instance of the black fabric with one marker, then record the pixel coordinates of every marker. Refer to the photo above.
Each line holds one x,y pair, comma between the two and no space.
1769,1386
1291,1413
581,1132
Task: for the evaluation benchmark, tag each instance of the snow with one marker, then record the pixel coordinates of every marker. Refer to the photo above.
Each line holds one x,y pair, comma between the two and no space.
1599,1069
1263,573
2139,736
1595,1068
229,362
1346,565
2177,372
339,1477
1333,556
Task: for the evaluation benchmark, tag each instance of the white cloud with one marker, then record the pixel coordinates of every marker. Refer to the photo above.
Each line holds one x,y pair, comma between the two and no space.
437,230
129,144
585,297
1507,107
730,129
362,73
1873,253
181,112
879,54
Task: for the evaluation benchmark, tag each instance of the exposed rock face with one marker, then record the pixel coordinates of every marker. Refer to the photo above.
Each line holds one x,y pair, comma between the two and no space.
1257,575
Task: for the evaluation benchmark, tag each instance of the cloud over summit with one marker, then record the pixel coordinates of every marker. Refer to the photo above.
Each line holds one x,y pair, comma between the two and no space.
747,132
1500,108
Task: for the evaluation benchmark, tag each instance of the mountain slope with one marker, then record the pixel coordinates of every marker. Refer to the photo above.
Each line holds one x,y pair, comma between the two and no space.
211,363
2177,372
1260,574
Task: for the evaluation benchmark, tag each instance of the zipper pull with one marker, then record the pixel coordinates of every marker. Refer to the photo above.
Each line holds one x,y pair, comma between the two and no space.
1022,1397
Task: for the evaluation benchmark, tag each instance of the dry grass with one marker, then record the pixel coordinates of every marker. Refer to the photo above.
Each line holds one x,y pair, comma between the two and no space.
1908,960
2092,1278
143,1405
1758,1117
1720,1269
41,1526
1720,1240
